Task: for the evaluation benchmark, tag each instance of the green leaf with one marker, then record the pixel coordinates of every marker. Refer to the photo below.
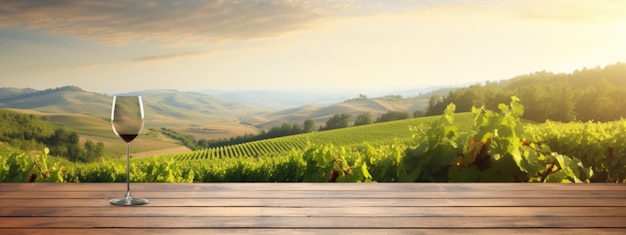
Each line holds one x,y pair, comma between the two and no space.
516,107
463,174
516,154
515,99
557,177
367,177
503,108
494,175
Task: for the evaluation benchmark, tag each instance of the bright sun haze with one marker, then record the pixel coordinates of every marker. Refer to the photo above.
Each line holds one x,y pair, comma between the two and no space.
121,46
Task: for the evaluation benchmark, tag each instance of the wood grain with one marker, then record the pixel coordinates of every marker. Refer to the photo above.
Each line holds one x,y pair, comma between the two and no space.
315,208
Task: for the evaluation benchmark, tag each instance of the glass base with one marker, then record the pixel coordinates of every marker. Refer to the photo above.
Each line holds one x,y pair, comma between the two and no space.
128,201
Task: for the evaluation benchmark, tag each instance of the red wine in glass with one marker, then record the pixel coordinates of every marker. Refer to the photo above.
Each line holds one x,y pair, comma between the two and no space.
127,120
128,137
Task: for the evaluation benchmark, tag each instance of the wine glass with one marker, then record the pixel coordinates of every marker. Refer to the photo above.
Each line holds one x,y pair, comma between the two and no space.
127,121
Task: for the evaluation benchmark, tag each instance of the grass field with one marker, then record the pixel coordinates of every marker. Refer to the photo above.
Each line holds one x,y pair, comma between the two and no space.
377,133
98,129
153,143
373,134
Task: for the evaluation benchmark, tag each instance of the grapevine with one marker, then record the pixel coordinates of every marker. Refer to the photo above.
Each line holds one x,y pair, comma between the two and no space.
491,146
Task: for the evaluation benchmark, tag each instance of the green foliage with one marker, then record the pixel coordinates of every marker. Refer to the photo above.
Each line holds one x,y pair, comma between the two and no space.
64,143
419,113
187,140
597,94
364,119
92,151
392,116
337,121
383,160
601,146
30,92
20,129
286,129
21,167
30,133
361,138
436,148
283,168
334,164
495,149
309,126
251,149
497,152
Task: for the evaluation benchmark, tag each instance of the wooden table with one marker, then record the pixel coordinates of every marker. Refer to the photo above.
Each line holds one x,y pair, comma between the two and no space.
315,208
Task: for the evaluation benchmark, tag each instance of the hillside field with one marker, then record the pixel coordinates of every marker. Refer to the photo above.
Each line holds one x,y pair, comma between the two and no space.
374,134
98,129
465,147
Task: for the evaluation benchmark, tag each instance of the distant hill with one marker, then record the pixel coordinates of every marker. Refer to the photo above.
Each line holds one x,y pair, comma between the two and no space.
320,114
202,115
69,99
10,93
166,103
589,94
164,108
162,101
277,100
425,93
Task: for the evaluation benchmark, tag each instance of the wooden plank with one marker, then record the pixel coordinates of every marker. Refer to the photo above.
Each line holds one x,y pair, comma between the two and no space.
325,202
194,231
313,222
318,194
312,211
396,187
313,208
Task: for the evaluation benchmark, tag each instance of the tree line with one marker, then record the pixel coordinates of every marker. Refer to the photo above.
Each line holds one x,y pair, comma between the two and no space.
337,121
8,98
342,120
285,129
32,133
597,94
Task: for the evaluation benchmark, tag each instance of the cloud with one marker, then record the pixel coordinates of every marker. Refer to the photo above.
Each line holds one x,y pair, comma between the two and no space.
75,67
214,21
125,21
585,12
89,66
175,56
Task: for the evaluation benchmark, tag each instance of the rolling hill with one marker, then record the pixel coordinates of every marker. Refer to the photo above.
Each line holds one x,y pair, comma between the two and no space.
164,108
277,100
71,100
320,114
197,114
88,114
385,133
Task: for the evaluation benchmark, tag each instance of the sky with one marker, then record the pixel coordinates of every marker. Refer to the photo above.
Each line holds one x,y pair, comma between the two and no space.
118,46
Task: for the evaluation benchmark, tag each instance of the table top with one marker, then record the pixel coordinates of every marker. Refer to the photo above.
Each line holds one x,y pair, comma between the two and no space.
314,208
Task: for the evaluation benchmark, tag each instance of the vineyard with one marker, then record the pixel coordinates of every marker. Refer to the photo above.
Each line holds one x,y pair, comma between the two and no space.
482,146
601,146
252,149
373,134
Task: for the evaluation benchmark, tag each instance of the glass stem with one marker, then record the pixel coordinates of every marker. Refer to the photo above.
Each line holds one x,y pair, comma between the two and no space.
128,170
